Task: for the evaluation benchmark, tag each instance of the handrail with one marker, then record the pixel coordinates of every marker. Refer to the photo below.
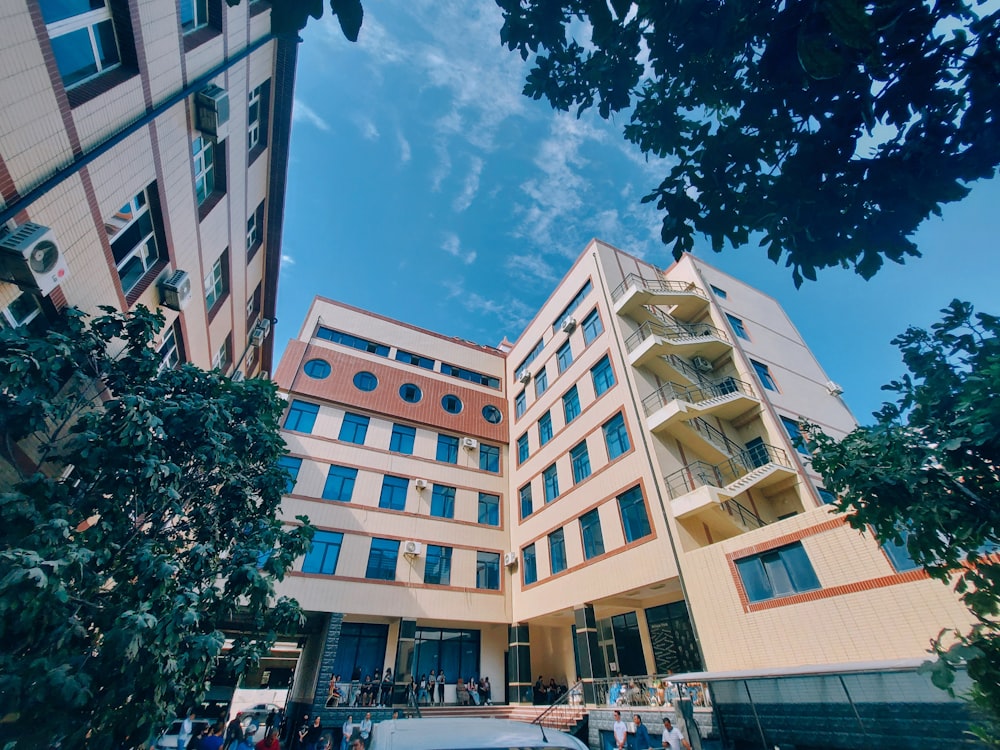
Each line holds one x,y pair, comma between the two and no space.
656,285
694,394
412,702
715,435
681,365
700,474
649,690
677,332
562,702
746,516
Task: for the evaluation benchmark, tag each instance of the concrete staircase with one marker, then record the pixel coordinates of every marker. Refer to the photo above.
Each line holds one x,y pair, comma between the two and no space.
565,718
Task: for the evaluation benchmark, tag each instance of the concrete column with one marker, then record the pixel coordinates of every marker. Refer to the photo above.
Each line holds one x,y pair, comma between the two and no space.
518,664
591,659
325,672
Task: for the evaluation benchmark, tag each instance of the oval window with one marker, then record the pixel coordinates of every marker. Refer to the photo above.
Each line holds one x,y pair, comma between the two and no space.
317,368
492,414
452,404
365,381
410,393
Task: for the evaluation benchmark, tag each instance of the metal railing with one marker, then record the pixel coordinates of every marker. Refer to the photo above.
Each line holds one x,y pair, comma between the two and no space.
564,711
715,436
649,690
678,332
682,366
744,515
656,285
700,474
695,394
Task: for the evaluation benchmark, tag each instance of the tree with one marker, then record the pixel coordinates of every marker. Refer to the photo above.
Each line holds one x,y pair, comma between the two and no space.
289,17
135,526
828,128
927,475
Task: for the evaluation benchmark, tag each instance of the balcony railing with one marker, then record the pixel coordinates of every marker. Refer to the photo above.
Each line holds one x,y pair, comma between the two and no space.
700,474
655,285
682,366
715,435
678,332
694,394
649,690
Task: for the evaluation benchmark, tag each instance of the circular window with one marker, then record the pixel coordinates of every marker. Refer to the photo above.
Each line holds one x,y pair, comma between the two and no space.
492,414
317,368
452,404
410,393
365,381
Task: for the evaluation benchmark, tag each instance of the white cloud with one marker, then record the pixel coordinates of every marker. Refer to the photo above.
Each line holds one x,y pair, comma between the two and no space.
470,187
512,313
287,260
302,112
368,129
453,246
405,154
530,269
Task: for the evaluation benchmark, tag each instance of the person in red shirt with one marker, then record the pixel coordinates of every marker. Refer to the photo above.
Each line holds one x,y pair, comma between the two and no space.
270,742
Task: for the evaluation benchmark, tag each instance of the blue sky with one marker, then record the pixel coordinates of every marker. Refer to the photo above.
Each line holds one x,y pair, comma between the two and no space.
425,187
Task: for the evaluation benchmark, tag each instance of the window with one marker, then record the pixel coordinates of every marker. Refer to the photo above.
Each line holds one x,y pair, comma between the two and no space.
738,328
522,448
527,507
339,483
492,414
451,404
532,355
301,416
551,480
255,231
530,569
224,356
365,381
382,559
564,357
571,404
353,429
634,518
171,351
488,571
447,449
579,458
489,509
573,304
557,551
393,495
443,501
83,39
253,306
590,530
291,466
545,428
795,434
764,375
520,404
826,496
603,375
414,359
410,393
355,342
899,555
217,282
323,554
203,150
541,382
437,568
194,14
779,572
720,293
318,369
402,439
616,436
258,105
456,652
592,327
471,375
134,233
489,458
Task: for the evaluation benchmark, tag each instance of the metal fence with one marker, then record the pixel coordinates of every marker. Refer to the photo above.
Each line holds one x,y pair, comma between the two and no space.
649,690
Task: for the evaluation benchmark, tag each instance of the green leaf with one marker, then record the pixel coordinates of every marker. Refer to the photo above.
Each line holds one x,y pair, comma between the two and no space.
350,14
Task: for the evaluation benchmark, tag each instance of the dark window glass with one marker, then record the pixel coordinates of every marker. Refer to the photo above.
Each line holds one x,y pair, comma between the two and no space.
301,416
355,342
455,652
592,327
580,460
541,382
522,448
492,414
489,458
545,428
634,518
354,429
776,573
410,393
402,439
571,404
447,449
414,359
532,355
738,328
292,466
530,569
393,495
527,507
551,481
317,368
361,649
795,434
365,381
557,551
339,483
451,404
437,568
603,376
616,436
489,509
573,304
471,375
382,559
520,404
590,530
826,496
443,501
488,570
323,554
564,357
764,375
720,293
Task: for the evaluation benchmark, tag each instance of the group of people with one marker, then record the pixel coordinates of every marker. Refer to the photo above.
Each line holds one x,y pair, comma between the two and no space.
478,692
219,736
671,739
374,691
544,694
424,690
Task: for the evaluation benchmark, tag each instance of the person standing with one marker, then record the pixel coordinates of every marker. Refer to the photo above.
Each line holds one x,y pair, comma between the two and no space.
431,682
386,698
348,731
269,723
187,729
422,690
489,692
440,682
620,731
234,733
270,742
642,741
366,728
672,737
312,735
213,740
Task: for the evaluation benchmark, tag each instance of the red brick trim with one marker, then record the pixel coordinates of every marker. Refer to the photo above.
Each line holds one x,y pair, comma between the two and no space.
144,283
8,190
58,298
140,53
794,536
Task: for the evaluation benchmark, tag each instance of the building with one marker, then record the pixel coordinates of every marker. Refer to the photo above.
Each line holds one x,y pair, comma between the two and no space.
143,152
622,491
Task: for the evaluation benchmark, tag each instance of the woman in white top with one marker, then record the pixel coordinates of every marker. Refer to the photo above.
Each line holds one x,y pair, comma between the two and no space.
366,728
348,730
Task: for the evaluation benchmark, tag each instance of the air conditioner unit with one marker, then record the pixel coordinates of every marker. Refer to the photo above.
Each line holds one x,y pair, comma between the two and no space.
211,112
31,259
420,484
524,376
412,548
701,364
834,388
470,443
264,375
238,376
510,559
260,331
175,290
568,324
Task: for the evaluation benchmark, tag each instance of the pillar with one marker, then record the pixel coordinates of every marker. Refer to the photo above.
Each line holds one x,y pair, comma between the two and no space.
518,664
591,659
404,659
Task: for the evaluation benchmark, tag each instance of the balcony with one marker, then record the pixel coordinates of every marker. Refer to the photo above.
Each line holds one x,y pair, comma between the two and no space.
685,299
657,339
728,399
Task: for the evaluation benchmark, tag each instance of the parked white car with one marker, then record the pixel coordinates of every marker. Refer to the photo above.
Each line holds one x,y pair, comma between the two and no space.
468,734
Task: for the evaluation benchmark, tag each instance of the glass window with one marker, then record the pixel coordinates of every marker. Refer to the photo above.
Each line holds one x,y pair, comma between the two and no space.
520,404
402,439
592,327
764,375
223,357
447,449
365,381
253,231
720,293
826,496
451,404
414,359
551,480
571,404
437,568
443,501
354,429
393,495
557,551
133,236
573,304
527,508
590,530
317,368
301,416
530,569
564,357
738,328
291,465
339,483
522,448
323,554
899,555
532,355
410,393
776,573
203,152
492,414
603,375
489,458
257,110
634,518
616,436
382,559
795,434
355,342
169,351
544,428
194,14
217,281
541,382
580,460
471,375
488,571
455,652
489,509
83,38
361,647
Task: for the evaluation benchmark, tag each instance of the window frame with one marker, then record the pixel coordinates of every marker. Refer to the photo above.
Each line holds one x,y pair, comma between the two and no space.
590,330
529,569
358,423
557,542
602,374
304,411
524,497
545,430
217,284
487,570
393,494
564,356
575,401
520,405
764,375
489,456
550,481
89,20
629,500
448,443
441,555
387,548
257,125
579,459
795,436
591,534
145,203
491,503
523,449
344,483
330,540
442,501
622,441
292,465
541,382
402,438
772,574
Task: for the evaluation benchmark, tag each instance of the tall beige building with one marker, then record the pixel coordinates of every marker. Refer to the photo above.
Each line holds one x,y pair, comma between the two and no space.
622,491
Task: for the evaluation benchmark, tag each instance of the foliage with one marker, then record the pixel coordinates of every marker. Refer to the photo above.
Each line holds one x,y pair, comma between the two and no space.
832,128
134,534
927,475
289,17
